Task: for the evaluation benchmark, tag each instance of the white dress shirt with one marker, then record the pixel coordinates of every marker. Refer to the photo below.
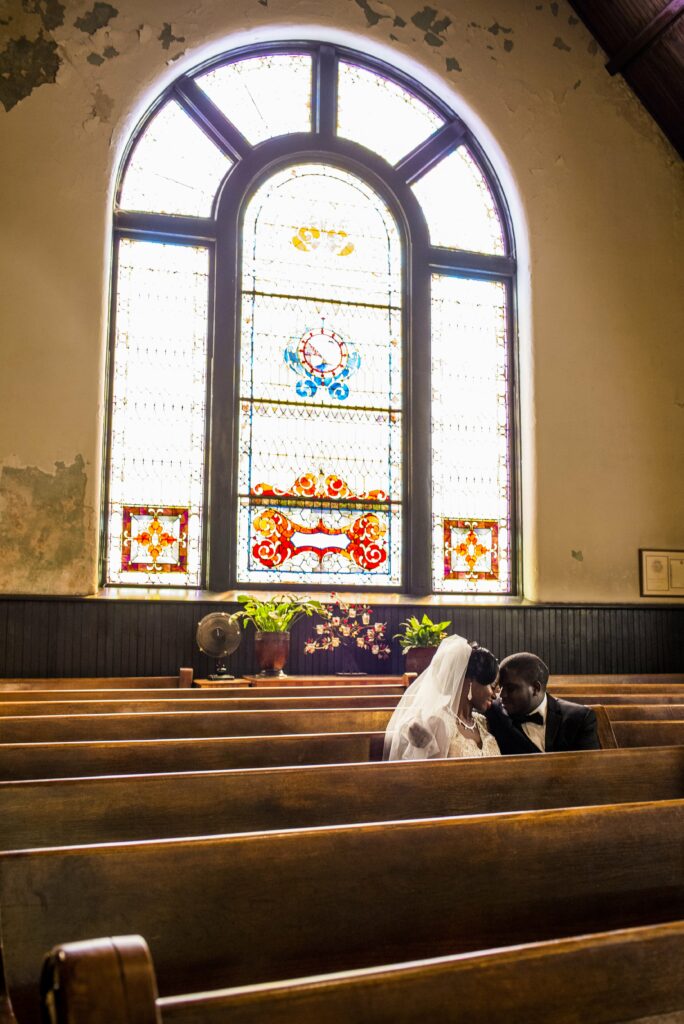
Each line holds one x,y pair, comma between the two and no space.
534,732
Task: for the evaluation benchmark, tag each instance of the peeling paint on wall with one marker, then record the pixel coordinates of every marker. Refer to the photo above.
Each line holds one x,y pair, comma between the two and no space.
372,15
98,18
42,517
452,64
561,45
433,26
26,64
166,36
50,12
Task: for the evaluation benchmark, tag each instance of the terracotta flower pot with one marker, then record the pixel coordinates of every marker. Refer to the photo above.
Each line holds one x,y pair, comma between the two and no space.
271,651
418,658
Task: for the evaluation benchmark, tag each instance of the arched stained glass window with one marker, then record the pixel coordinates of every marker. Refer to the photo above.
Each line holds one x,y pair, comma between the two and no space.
320,389
311,364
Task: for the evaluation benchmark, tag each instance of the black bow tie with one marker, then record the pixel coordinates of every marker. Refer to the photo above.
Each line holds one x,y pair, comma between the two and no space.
534,717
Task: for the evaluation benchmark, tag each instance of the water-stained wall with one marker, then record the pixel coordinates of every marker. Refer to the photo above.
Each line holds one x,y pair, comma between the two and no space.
595,192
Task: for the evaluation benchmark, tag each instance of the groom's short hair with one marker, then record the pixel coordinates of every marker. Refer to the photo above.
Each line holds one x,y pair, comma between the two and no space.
529,666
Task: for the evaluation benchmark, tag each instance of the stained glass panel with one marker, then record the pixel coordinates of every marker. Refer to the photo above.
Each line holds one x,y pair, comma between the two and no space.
459,206
174,167
381,115
319,482
263,96
156,479
470,468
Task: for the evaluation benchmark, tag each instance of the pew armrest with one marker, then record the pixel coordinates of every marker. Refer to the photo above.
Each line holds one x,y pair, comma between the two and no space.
185,678
604,728
101,981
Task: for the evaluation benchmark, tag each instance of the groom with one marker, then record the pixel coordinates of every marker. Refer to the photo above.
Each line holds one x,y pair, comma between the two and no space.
527,719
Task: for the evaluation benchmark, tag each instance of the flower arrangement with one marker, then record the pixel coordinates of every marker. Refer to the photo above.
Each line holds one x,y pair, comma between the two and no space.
349,625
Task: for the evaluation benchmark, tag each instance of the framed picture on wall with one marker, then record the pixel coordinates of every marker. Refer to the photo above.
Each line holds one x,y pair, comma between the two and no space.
661,573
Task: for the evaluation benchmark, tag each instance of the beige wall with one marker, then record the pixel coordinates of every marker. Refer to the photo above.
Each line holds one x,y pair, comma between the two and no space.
596,193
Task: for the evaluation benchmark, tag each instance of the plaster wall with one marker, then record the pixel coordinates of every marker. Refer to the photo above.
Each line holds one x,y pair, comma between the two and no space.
596,195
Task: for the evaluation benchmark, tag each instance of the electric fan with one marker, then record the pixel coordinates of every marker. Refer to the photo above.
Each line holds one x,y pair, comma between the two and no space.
218,635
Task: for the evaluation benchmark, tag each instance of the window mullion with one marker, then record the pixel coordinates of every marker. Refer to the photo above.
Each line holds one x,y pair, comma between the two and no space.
325,92
419,161
211,120
418,448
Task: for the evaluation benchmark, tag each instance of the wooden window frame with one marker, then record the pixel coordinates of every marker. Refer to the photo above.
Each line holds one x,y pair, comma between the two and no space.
221,233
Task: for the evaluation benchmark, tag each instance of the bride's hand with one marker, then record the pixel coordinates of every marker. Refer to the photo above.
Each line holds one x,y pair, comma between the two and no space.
419,735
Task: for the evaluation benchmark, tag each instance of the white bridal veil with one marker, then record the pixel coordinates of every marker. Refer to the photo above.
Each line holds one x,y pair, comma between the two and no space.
430,702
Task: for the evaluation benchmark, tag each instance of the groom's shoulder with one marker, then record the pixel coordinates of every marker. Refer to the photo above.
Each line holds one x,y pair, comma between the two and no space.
569,709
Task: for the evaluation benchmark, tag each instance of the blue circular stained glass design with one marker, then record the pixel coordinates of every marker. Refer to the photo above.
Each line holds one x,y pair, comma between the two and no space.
325,360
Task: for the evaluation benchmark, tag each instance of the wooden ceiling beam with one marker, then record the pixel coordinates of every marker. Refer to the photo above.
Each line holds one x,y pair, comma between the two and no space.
645,39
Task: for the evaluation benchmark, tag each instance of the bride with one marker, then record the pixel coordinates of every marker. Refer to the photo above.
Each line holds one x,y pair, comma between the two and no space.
440,714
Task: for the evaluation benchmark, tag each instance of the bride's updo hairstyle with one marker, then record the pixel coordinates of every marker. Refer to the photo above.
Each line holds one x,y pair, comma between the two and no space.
483,668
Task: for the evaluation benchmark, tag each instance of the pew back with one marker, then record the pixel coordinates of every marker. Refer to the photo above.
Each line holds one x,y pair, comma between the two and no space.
101,810
157,707
648,734
208,695
130,757
625,974
176,724
235,910
183,679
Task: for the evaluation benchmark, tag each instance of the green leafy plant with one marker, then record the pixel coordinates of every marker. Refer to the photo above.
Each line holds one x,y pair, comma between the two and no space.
423,633
279,614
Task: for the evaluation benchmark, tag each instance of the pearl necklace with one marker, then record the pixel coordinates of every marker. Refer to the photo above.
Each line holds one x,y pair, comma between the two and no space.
471,728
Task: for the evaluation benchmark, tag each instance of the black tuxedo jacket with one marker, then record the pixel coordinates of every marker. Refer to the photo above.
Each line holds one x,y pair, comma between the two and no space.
568,727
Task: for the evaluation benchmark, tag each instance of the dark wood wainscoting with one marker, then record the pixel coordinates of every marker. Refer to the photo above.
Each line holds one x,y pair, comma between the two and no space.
77,637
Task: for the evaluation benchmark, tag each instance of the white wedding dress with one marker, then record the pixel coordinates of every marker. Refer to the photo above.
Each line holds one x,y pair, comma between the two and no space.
423,724
462,746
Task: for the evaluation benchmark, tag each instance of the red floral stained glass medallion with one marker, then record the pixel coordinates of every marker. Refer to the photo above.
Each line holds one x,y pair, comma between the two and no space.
352,531
471,549
154,539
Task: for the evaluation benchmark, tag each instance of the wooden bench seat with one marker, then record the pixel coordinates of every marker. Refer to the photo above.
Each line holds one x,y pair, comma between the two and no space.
267,682
130,757
648,734
209,695
664,679
225,911
101,810
176,724
182,680
113,980
135,706
644,712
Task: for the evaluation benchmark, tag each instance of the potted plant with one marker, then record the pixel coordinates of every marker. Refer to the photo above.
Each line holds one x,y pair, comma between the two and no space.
273,618
419,640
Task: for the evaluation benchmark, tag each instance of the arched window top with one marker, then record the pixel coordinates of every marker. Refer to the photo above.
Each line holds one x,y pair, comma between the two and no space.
312,366
215,117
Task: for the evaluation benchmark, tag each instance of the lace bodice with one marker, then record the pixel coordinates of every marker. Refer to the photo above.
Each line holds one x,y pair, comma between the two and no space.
460,746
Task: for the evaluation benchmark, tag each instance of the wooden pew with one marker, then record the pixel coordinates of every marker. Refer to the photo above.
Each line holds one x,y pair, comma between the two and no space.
663,679
209,695
243,909
130,757
13,709
266,682
624,698
176,724
181,681
648,734
645,712
113,981
69,812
